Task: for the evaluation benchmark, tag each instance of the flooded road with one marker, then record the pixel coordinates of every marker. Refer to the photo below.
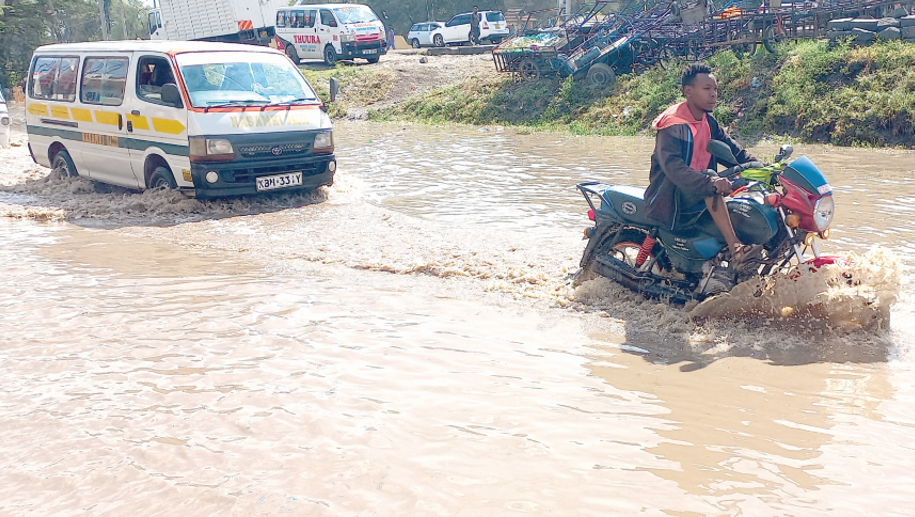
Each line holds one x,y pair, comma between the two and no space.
405,343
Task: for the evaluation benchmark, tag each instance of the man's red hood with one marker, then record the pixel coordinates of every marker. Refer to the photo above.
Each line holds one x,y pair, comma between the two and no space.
676,114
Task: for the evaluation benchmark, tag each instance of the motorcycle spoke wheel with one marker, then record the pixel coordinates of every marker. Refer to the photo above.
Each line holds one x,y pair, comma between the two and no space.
627,252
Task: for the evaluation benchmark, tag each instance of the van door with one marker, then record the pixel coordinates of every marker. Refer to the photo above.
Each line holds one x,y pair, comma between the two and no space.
103,85
328,31
305,34
52,113
154,127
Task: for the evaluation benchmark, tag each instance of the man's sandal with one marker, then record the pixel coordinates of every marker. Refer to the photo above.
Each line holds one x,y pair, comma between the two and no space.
744,253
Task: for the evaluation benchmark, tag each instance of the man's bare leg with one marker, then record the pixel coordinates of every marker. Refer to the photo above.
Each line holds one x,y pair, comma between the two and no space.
722,219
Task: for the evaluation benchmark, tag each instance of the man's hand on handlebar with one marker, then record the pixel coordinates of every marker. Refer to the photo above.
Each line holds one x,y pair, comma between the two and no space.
722,186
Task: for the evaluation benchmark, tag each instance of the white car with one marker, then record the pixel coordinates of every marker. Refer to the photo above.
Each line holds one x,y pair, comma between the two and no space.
420,34
5,122
493,29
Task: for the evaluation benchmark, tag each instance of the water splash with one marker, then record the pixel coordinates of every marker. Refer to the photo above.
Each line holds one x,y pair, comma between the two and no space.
858,294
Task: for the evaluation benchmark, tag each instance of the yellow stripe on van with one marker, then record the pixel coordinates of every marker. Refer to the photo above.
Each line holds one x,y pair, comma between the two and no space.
139,122
164,125
106,117
38,109
82,115
60,112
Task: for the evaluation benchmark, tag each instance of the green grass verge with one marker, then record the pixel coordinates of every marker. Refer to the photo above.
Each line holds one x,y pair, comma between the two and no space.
811,91
360,86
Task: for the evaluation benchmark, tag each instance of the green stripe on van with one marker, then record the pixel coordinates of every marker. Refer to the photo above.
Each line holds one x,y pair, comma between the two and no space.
134,144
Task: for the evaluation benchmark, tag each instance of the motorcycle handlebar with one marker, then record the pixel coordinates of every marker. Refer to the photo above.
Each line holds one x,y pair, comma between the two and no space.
727,173
737,169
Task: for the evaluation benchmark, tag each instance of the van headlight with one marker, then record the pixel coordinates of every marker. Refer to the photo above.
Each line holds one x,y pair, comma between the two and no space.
346,38
823,211
5,121
324,142
210,149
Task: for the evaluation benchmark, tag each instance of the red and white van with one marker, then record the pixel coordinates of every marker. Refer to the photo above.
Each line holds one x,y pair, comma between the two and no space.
330,32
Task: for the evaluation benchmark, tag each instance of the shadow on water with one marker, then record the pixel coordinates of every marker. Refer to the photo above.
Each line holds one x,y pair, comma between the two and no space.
790,342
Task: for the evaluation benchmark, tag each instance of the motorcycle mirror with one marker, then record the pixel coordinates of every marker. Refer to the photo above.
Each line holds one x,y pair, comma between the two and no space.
786,151
722,151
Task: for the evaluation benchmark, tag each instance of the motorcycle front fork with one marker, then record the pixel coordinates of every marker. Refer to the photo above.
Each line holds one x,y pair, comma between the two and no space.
794,240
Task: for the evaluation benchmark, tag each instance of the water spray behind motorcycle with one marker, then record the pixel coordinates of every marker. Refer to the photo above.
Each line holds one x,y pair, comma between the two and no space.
781,209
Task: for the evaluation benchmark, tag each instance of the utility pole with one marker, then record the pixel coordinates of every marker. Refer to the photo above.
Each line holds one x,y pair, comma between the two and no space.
103,18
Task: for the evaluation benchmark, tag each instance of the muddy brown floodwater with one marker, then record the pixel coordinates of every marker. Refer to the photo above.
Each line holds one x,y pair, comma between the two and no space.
406,343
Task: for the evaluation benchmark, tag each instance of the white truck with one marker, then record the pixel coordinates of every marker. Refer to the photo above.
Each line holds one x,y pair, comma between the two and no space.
231,21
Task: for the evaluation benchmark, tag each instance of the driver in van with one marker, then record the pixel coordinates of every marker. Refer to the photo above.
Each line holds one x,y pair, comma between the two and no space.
680,179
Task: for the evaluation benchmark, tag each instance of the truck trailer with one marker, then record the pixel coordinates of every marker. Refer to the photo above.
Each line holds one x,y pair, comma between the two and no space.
231,21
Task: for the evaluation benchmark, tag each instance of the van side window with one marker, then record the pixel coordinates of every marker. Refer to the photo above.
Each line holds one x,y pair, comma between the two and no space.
327,18
104,81
304,19
152,74
281,18
54,79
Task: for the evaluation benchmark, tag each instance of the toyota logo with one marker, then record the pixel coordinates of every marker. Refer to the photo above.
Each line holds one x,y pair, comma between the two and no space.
277,151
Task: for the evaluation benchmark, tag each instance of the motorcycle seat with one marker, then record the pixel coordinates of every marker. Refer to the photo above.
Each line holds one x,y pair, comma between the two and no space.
629,203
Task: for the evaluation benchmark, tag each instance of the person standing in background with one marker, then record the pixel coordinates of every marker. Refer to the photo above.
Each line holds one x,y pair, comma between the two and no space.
475,20
390,37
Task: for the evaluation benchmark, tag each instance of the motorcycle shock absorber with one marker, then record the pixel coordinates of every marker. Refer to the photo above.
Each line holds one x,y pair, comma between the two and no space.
647,246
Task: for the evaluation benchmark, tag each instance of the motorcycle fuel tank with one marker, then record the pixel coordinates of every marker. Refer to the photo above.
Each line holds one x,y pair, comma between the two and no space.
688,248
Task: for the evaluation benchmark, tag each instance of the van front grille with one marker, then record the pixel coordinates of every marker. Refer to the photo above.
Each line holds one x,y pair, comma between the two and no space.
260,151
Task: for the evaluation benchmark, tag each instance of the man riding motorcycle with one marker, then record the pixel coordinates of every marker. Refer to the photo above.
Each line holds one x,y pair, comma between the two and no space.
679,182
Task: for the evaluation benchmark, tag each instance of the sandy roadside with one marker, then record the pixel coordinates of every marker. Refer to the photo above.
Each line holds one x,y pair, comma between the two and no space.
409,73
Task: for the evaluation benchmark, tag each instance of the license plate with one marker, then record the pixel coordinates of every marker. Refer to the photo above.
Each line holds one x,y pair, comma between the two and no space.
290,179
370,51
498,27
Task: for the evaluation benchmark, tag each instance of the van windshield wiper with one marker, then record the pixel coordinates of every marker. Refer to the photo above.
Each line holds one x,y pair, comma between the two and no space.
292,101
231,104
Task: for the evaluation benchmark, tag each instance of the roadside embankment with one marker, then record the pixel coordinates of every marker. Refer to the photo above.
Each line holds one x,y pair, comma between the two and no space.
811,91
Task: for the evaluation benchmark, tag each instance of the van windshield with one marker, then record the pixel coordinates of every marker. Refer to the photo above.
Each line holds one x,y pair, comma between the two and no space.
354,14
255,78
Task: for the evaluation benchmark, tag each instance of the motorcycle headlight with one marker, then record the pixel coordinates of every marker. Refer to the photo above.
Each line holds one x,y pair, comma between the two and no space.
823,211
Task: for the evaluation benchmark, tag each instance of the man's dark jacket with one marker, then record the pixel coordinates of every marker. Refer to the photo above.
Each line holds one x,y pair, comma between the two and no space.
674,185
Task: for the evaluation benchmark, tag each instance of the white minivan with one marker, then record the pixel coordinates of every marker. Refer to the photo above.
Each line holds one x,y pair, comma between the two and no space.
330,32
5,122
211,119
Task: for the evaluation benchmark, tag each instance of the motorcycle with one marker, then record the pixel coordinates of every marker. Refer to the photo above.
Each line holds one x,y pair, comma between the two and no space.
781,209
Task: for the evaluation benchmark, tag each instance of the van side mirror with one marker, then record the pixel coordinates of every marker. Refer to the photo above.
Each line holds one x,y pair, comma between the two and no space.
171,95
334,89
722,151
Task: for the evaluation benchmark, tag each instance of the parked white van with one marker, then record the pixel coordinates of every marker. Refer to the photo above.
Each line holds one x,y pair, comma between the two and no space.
330,32
212,119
